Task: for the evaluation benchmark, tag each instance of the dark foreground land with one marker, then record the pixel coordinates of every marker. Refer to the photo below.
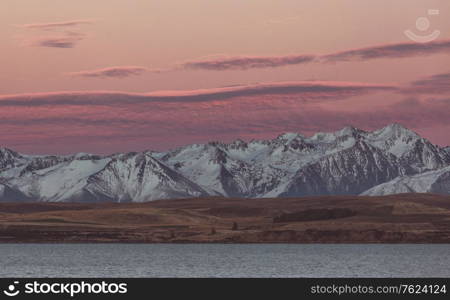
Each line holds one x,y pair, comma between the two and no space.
406,218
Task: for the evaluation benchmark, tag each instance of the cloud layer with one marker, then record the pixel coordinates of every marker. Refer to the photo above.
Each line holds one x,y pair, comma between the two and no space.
101,121
66,40
162,125
302,90
247,62
56,25
112,72
398,50
64,122
62,38
436,84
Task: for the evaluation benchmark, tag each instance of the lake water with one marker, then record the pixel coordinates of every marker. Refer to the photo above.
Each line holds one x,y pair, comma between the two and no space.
219,260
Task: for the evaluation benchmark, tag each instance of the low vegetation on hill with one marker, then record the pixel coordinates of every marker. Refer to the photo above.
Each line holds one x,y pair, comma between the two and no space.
404,218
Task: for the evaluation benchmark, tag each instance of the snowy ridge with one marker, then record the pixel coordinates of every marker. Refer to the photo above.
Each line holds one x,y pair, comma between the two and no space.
447,149
390,160
437,181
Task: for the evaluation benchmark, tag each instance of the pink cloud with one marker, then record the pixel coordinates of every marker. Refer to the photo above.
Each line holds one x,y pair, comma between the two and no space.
112,72
55,25
247,62
397,50
165,125
302,90
67,40
386,51
436,84
64,39
82,124
103,121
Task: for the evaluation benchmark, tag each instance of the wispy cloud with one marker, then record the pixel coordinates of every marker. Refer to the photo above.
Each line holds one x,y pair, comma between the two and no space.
164,125
411,112
246,62
100,121
55,25
435,84
112,72
386,51
302,90
398,50
62,37
65,40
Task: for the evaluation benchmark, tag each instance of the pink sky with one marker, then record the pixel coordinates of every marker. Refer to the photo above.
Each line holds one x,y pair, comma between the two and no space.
109,75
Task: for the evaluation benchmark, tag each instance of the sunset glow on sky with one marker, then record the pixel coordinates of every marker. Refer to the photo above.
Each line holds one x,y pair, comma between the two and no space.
105,76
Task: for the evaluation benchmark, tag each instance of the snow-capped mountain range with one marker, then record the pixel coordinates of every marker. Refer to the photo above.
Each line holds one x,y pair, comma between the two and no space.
390,160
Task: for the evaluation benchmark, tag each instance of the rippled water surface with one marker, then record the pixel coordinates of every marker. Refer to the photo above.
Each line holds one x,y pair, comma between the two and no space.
235,260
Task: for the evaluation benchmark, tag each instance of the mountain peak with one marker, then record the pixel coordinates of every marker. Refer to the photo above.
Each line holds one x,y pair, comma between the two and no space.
349,131
395,126
6,151
8,158
395,138
331,136
289,136
395,129
238,145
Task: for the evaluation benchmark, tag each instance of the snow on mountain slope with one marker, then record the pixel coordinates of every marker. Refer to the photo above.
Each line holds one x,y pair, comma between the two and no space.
139,177
394,139
425,156
212,168
437,181
42,162
347,172
60,182
348,161
10,159
2,190
416,152
257,168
